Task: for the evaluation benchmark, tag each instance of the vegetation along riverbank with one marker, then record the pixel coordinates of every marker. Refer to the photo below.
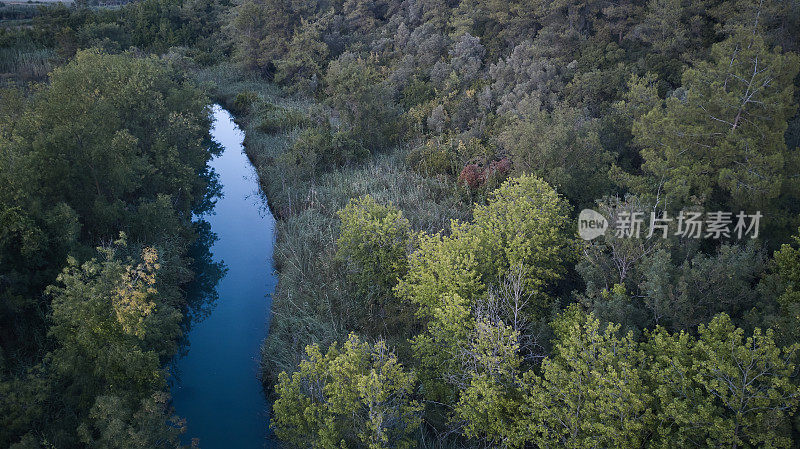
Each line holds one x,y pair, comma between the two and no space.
427,162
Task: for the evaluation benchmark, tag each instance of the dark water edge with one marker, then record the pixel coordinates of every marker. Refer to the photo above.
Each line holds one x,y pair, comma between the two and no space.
215,385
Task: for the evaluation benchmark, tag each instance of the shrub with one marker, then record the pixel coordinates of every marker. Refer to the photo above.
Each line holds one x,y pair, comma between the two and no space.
374,241
357,93
244,102
305,153
278,119
417,92
472,175
347,149
433,159
356,395
320,147
475,175
446,157
564,149
523,229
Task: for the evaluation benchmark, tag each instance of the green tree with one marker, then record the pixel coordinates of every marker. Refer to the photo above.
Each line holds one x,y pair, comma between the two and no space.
524,224
443,282
723,389
721,137
113,136
356,395
260,31
374,242
156,24
119,423
592,391
114,142
113,329
356,91
668,281
304,64
563,148
787,260
522,229
783,283
360,16
102,314
490,400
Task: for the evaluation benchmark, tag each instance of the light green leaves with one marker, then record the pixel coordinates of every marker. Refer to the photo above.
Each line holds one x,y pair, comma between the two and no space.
374,240
356,394
522,231
722,389
592,391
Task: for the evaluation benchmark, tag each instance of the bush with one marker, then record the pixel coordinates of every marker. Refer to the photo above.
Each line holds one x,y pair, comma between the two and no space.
564,149
472,176
374,242
477,175
447,157
321,147
433,159
357,93
278,119
307,150
244,101
417,92
356,395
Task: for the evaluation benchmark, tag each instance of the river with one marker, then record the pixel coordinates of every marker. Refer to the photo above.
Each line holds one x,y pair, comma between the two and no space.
216,387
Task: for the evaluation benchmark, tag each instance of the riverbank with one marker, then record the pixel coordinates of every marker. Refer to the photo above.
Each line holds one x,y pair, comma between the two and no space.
101,250
217,390
314,302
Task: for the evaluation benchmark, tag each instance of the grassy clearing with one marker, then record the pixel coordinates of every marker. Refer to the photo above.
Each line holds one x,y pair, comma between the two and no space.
26,64
314,302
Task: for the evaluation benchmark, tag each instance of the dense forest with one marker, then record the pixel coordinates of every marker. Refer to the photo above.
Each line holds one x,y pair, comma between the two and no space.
427,161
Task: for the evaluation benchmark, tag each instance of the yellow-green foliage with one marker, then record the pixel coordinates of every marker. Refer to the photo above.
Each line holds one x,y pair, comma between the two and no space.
602,389
104,314
489,403
374,240
443,282
523,226
723,389
354,395
592,391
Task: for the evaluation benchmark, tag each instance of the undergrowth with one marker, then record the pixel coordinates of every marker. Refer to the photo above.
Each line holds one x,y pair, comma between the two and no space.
314,302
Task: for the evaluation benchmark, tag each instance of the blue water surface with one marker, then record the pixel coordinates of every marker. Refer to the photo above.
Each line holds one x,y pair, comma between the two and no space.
216,386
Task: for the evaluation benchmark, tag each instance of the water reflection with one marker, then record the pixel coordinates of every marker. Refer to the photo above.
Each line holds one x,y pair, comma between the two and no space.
202,292
215,384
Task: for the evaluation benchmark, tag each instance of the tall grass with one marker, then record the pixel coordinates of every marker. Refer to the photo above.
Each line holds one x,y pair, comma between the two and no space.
26,64
314,302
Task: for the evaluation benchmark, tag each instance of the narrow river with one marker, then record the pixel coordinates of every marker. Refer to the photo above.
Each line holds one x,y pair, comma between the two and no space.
217,389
